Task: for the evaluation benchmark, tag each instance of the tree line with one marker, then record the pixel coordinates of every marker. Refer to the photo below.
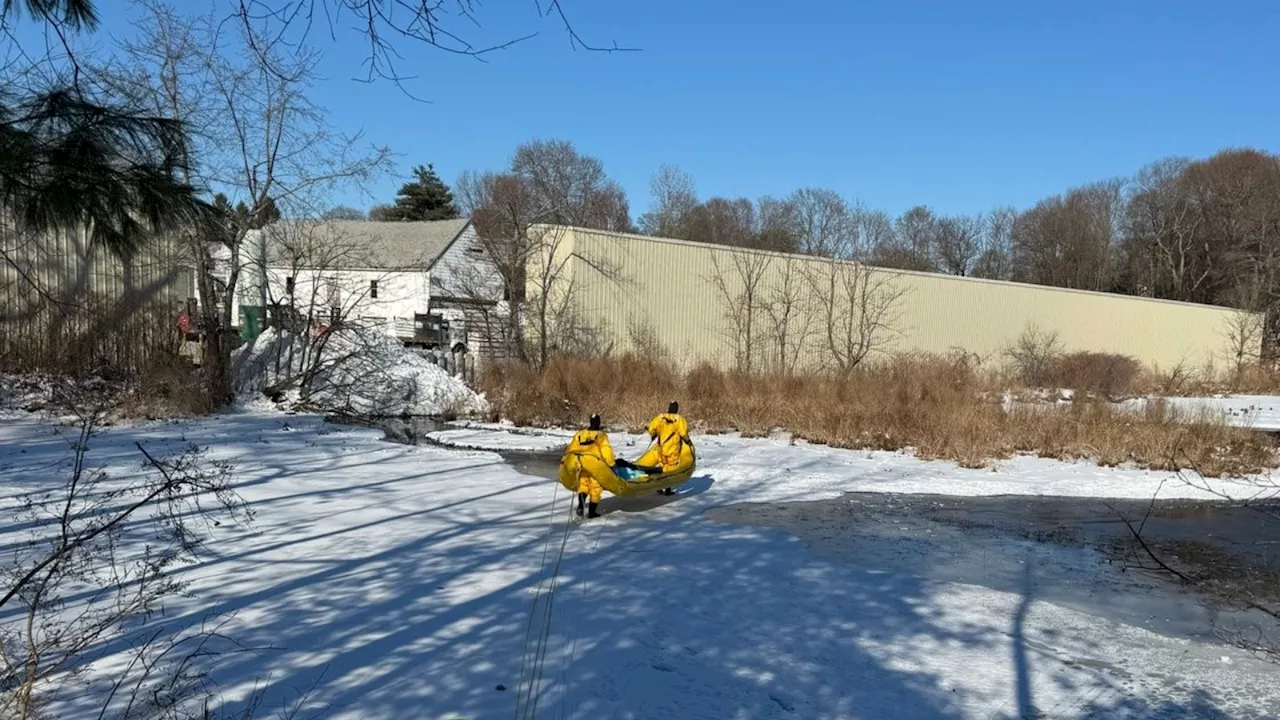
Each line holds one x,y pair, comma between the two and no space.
1196,230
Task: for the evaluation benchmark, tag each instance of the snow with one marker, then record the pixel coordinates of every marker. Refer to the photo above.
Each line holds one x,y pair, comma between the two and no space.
25,391
397,581
1259,412
360,372
776,469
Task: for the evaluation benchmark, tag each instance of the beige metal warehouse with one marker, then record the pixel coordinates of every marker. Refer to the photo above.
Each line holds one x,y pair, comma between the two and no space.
61,295
766,310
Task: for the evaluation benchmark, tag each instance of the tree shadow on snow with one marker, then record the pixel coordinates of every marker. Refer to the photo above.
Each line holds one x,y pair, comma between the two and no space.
429,609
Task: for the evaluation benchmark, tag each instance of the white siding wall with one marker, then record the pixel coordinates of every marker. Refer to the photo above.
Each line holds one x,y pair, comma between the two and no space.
400,295
464,275
465,270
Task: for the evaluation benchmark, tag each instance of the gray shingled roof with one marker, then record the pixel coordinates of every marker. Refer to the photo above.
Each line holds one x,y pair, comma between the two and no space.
365,245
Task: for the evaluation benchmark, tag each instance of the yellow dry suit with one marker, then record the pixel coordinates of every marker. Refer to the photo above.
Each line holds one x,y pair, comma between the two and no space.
672,433
594,443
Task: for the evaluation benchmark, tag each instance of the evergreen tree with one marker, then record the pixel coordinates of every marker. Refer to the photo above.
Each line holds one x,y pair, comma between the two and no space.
240,217
425,198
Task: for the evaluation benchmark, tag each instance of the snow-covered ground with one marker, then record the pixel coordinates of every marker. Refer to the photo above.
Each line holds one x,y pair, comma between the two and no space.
397,582
1259,412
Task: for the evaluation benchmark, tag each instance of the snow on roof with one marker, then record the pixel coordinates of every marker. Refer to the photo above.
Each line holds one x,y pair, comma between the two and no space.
367,244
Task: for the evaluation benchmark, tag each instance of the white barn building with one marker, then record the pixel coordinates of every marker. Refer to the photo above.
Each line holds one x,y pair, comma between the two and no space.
430,284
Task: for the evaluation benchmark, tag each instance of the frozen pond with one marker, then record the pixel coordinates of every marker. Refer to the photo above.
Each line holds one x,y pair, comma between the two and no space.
1074,552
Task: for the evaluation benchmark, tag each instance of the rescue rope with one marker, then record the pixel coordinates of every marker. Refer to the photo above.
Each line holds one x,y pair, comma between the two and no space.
573,645
531,668
541,658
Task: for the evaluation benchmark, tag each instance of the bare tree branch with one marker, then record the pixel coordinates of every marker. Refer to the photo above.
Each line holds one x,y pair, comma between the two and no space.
432,23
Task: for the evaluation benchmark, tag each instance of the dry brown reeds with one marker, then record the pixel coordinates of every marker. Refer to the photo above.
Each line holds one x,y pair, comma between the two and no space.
939,407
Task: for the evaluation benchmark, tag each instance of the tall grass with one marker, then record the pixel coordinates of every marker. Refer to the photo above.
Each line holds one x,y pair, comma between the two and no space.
938,407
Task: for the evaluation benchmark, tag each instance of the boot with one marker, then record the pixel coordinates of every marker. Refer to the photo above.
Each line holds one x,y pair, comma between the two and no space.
582,498
591,510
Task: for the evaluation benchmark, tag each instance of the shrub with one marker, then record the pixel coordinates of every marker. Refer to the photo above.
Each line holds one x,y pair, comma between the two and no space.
1033,355
1111,376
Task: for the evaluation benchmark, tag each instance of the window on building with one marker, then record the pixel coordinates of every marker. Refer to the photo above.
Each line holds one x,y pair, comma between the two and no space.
288,285
373,289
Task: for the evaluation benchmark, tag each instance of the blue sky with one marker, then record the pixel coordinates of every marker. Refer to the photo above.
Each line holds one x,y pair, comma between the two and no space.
960,106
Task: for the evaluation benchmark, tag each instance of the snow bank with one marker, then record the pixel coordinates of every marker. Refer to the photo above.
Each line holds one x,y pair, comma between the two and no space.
355,371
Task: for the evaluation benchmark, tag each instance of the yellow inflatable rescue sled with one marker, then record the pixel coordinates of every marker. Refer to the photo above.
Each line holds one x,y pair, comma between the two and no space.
646,476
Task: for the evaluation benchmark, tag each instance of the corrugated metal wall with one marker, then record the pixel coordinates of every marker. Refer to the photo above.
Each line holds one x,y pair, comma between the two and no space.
692,299
59,297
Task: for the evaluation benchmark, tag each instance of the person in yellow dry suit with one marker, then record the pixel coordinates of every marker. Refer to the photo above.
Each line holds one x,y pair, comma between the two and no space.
595,442
672,432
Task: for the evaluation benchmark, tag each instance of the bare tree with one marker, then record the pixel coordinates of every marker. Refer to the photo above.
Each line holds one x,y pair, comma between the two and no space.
503,209
674,198
739,282
910,246
573,186
862,306
556,277
1244,337
1069,240
995,259
875,231
541,276
343,212
957,244
1238,194
377,25
826,224
791,312
1034,354
261,139
777,225
643,338
721,221
1163,239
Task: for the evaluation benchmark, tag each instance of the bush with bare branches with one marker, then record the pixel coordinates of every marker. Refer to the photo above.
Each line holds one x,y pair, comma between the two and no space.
1105,374
100,562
